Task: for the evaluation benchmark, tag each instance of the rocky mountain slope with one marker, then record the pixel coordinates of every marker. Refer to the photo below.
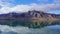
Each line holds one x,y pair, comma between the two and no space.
31,15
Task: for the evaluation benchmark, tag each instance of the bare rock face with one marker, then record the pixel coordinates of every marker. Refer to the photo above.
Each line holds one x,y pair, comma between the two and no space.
42,16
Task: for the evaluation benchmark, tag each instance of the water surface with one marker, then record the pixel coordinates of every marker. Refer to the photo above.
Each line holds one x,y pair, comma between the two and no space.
5,29
16,27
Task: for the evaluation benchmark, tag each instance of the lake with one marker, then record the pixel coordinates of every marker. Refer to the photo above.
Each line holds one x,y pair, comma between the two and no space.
15,27
5,29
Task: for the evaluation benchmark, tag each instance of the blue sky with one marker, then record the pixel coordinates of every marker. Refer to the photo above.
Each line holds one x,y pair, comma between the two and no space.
30,1
33,1
51,6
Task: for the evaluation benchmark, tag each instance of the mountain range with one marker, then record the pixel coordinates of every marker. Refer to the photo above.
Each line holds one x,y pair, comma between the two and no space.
31,15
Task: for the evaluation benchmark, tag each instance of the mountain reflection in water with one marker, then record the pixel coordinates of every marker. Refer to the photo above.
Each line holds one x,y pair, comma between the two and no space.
5,29
26,27
29,24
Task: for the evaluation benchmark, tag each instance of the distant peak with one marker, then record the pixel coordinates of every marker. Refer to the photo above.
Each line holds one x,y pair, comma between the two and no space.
36,11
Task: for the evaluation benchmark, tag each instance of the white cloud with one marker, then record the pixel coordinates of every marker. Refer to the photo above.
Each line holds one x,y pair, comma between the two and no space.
22,8
5,10
25,8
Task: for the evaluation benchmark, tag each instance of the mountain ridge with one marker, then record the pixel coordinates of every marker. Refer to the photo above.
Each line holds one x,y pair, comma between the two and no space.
31,15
